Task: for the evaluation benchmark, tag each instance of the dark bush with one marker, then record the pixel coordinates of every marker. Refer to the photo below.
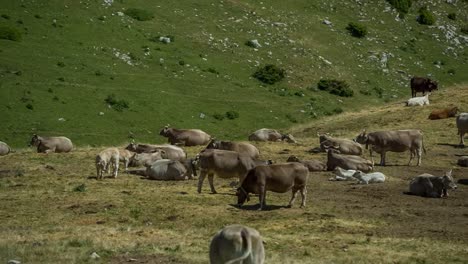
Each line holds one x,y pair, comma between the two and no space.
61,64
451,71
357,30
80,188
5,16
139,14
269,74
118,105
464,29
232,114
10,33
291,118
338,110
38,16
218,116
181,63
30,106
98,73
426,17
61,79
336,87
452,16
402,6
213,70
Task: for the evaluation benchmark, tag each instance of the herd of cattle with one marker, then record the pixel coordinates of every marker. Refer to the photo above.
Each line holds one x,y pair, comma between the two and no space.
241,160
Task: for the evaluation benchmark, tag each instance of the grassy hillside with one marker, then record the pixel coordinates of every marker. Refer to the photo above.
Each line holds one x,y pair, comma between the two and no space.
54,211
74,54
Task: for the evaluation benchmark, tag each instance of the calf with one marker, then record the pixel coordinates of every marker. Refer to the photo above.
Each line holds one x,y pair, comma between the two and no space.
237,244
343,175
428,185
105,159
278,178
366,178
415,101
124,157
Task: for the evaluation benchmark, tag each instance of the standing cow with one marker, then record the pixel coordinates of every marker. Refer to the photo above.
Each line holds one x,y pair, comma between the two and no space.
4,148
267,134
462,125
394,141
51,144
185,137
422,85
242,148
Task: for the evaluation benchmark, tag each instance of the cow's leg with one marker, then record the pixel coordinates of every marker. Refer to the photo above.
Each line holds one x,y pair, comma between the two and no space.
462,140
116,168
294,195
201,179
304,196
210,180
412,154
97,171
419,156
261,196
371,156
382,158
126,162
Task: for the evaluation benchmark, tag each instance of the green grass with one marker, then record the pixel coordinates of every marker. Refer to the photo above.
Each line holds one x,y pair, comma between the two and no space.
64,45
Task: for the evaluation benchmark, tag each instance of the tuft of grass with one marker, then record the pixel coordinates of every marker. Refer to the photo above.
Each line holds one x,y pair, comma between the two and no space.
426,17
270,74
357,30
10,33
464,29
402,6
80,188
335,87
139,14
452,16
117,105
232,115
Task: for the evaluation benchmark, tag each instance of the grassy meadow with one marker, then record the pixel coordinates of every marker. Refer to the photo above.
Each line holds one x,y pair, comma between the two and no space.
53,210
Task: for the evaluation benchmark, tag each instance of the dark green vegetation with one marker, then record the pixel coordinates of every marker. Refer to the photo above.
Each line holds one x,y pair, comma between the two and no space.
84,51
10,33
426,17
139,14
336,87
269,74
357,30
402,6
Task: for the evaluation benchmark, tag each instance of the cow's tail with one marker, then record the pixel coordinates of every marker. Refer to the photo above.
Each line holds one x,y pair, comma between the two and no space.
424,148
246,247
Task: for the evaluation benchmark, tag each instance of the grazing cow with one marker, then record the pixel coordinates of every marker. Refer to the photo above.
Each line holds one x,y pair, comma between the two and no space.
312,165
462,125
145,159
223,163
343,175
415,101
366,178
51,144
266,134
344,146
171,152
278,178
348,162
394,141
428,185
166,169
443,113
124,157
4,148
242,148
105,159
185,137
237,244
422,85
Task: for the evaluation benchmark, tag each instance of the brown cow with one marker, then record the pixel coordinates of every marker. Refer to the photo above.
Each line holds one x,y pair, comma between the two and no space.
278,178
312,165
185,137
443,113
243,148
422,85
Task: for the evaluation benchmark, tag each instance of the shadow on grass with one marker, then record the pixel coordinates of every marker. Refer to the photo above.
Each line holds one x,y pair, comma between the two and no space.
255,207
452,145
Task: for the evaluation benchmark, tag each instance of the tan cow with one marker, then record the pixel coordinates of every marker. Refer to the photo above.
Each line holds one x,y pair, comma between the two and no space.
242,148
344,146
224,164
395,141
278,178
106,159
124,157
312,165
166,170
145,159
185,137
4,148
171,152
348,162
267,134
237,244
51,144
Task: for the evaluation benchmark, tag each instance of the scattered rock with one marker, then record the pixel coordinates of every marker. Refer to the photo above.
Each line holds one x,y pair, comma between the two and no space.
12,261
94,255
101,113
62,119
165,40
254,43
202,115
327,22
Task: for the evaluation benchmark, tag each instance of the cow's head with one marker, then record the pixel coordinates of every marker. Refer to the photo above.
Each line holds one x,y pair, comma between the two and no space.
293,159
453,111
242,196
362,138
448,181
431,85
165,131
323,137
213,144
288,138
35,140
358,174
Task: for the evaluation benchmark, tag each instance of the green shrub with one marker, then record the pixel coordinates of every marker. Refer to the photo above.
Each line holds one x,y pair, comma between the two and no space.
338,110
464,29
452,16
291,118
378,91
80,188
61,64
426,17
357,30
118,105
139,14
269,74
213,70
218,116
336,87
181,63
29,106
451,71
232,114
5,16
10,33
402,6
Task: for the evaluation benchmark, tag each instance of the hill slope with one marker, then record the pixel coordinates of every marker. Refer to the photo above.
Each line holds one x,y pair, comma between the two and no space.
73,55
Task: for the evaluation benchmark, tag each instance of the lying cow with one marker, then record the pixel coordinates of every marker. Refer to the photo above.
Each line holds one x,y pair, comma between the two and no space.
185,137
106,159
237,244
421,101
242,148
343,175
366,178
348,162
344,146
267,134
428,185
394,141
278,178
462,125
422,85
145,159
51,144
312,165
463,161
443,113
171,152
166,169
4,148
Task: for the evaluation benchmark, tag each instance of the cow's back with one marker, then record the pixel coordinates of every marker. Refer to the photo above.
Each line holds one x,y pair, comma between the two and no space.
4,148
462,122
61,144
265,134
398,140
225,163
282,176
193,137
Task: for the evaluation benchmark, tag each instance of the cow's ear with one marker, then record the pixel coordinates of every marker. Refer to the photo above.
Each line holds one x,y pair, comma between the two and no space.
449,173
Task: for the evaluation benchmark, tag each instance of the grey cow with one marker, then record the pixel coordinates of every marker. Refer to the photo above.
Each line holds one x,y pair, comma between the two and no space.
462,125
312,165
348,162
428,185
267,134
166,169
4,148
242,148
236,244
51,144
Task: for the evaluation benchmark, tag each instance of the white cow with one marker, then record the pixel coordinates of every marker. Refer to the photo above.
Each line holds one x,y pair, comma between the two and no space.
366,178
462,125
105,159
343,175
415,101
